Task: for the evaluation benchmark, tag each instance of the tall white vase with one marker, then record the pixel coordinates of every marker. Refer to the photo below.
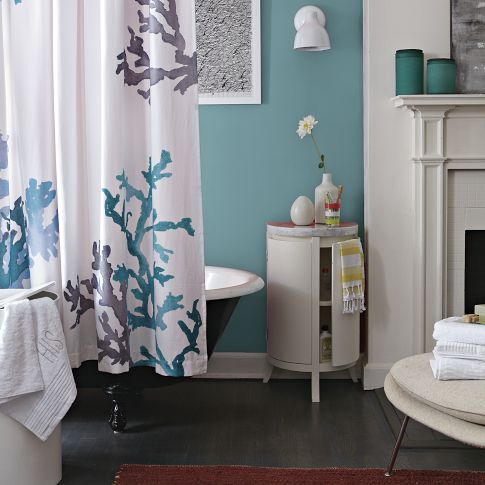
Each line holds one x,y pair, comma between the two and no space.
321,191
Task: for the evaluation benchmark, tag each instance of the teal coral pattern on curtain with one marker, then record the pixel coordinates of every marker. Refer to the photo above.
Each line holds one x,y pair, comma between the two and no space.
141,279
100,176
23,233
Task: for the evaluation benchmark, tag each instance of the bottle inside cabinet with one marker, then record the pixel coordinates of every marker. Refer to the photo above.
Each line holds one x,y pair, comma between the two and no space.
325,334
325,274
325,346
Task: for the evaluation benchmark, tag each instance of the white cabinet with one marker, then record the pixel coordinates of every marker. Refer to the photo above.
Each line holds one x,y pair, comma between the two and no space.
289,300
305,297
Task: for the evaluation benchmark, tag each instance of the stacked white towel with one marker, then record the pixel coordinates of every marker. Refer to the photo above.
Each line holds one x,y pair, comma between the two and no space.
460,350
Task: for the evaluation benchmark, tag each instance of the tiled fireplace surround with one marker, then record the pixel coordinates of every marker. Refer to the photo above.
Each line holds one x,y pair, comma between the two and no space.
448,152
466,212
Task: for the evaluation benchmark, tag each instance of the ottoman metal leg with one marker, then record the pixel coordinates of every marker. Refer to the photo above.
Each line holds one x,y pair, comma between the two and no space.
390,467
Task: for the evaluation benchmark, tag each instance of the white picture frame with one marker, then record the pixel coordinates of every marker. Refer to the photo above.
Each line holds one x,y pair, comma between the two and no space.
235,97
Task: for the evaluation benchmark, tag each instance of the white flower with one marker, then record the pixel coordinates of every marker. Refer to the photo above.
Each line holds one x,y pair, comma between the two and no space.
305,126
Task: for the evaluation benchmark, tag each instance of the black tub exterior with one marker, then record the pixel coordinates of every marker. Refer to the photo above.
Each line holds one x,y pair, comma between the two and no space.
120,387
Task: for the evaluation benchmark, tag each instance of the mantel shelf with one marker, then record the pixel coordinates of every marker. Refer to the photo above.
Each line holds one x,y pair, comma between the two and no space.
417,101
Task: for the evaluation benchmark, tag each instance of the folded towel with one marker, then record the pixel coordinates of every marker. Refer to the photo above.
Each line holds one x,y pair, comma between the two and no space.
452,330
446,369
41,411
353,276
459,350
19,362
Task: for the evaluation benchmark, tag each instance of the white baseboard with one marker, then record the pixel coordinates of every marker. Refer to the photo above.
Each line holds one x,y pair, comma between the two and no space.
375,374
236,365
241,365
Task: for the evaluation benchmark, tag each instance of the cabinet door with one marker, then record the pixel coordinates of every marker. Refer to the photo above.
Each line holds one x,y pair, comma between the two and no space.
345,327
289,300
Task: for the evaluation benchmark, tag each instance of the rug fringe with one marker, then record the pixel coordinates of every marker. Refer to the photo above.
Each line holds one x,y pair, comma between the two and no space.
117,477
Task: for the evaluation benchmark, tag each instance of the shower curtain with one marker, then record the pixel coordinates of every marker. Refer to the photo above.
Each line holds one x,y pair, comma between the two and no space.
100,178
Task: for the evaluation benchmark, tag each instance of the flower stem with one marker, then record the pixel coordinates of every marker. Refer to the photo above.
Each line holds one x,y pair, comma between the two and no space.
320,156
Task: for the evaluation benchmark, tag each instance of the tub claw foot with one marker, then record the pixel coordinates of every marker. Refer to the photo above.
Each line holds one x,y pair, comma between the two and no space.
117,417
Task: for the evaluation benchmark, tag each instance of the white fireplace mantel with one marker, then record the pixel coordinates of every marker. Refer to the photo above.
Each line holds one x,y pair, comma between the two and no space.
422,101
431,140
448,134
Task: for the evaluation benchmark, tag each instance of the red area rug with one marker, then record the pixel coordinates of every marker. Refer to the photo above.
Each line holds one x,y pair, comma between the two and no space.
238,475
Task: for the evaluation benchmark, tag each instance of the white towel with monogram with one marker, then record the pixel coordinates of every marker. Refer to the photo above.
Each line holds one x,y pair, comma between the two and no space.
36,383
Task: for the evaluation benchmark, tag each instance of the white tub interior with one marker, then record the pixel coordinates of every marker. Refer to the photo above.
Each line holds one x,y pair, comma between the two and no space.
230,283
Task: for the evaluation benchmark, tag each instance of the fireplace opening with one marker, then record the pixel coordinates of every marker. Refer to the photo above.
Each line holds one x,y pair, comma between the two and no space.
474,269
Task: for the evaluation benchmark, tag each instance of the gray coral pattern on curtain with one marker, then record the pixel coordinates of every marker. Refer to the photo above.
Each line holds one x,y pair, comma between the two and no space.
142,72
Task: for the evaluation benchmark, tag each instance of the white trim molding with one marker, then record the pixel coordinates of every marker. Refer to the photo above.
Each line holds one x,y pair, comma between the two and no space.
375,374
418,101
389,199
447,135
242,365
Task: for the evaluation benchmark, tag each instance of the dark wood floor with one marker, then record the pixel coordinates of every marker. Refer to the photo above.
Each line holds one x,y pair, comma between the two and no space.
242,422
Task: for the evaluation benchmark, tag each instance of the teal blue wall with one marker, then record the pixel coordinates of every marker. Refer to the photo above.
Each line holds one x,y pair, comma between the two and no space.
253,163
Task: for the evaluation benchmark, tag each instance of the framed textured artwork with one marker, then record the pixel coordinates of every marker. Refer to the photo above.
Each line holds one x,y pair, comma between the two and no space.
468,44
228,51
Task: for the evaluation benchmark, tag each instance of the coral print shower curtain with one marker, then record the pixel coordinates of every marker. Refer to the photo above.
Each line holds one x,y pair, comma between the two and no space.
99,175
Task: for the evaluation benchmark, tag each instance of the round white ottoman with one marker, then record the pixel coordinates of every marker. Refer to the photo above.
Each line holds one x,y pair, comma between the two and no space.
454,408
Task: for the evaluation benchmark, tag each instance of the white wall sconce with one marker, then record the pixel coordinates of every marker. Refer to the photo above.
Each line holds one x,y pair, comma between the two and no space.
311,34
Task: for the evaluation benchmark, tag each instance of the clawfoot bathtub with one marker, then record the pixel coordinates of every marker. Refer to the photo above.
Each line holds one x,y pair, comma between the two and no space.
223,288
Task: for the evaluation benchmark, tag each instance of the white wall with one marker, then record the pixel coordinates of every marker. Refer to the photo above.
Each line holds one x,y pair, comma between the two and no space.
389,220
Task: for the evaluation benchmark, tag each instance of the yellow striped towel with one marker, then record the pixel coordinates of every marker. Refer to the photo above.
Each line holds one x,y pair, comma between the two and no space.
353,276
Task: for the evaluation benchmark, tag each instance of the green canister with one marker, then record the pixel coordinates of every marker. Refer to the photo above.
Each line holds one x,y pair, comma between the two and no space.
441,76
409,71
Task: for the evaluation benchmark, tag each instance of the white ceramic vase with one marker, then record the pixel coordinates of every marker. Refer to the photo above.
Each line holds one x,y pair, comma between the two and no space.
302,211
321,191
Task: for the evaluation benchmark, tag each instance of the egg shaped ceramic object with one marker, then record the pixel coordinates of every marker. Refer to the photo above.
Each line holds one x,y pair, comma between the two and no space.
302,211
